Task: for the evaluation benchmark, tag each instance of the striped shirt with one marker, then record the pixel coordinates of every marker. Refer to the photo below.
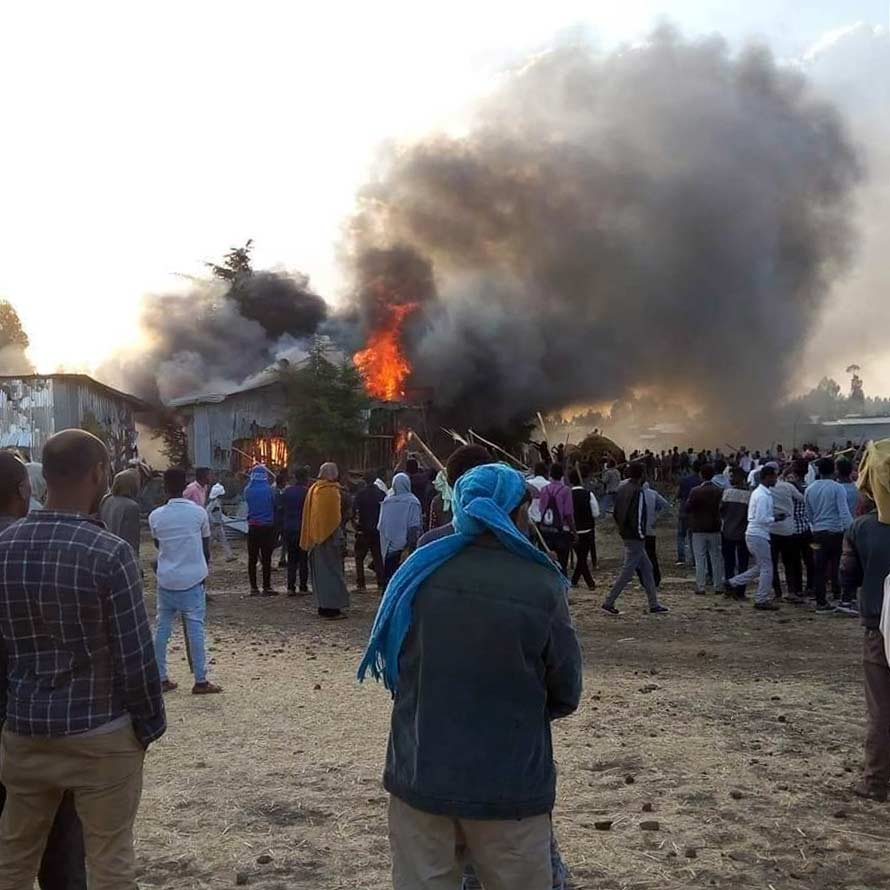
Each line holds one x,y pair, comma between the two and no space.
75,631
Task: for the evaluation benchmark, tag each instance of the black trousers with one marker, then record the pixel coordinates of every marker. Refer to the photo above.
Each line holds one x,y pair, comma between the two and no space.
827,547
261,541
368,542
652,553
582,559
735,558
62,866
784,548
801,557
560,543
297,561
391,566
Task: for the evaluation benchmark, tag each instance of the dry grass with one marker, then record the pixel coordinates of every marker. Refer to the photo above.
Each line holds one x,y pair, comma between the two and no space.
742,731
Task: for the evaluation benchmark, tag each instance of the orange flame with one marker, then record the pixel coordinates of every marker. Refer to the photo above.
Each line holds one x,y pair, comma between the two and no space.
400,441
382,364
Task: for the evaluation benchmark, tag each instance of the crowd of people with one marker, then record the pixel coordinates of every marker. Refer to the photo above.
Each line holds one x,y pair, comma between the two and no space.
473,635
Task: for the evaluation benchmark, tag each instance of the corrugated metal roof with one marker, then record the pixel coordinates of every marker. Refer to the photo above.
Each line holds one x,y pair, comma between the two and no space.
214,398
138,404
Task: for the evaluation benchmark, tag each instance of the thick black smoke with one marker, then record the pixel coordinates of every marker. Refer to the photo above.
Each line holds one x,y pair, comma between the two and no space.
667,218
216,335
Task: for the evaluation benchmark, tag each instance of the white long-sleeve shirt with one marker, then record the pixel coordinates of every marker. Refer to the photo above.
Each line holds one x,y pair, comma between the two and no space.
761,513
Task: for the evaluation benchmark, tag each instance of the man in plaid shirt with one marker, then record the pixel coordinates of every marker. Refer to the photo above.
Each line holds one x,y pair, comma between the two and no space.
84,695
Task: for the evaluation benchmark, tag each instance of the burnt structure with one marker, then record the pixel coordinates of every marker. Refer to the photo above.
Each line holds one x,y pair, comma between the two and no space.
34,407
230,431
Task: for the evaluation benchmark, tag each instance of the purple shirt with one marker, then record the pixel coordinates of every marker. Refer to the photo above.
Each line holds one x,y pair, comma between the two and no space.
561,495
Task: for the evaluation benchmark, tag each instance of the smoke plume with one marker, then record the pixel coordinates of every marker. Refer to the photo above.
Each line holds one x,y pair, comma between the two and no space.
218,334
668,218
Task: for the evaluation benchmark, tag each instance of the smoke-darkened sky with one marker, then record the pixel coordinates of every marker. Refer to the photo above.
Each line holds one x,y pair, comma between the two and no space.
113,185
670,216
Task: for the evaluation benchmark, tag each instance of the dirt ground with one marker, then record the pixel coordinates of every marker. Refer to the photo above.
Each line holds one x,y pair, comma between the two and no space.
740,731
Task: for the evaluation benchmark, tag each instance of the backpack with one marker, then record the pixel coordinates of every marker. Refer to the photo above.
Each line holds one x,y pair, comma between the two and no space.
551,518
555,536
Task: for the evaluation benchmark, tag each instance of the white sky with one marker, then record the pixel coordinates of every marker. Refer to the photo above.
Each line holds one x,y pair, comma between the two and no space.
140,139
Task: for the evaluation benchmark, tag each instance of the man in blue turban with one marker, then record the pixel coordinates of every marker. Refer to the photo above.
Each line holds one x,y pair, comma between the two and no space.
475,640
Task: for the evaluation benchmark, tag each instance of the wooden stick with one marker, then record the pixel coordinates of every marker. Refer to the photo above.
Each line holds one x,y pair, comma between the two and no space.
543,428
537,531
455,435
515,460
256,463
423,447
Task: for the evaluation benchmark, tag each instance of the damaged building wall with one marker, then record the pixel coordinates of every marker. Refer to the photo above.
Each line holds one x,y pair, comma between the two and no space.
227,432
26,414
219,427
34,407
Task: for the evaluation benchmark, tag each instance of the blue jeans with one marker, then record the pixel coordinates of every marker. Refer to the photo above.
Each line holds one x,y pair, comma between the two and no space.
192,604
684,540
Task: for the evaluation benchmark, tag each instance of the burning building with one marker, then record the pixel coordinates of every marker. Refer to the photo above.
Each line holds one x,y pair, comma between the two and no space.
229,431
34,407
232,430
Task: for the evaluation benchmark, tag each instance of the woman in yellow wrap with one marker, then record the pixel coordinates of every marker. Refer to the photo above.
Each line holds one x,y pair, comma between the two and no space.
322,537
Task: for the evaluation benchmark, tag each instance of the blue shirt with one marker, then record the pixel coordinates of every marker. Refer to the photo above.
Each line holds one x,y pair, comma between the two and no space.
260,504
292,499
687,483
852,495
827,506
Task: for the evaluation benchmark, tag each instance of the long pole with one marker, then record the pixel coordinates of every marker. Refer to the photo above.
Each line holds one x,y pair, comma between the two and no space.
412,436
456,436
515,460
540,537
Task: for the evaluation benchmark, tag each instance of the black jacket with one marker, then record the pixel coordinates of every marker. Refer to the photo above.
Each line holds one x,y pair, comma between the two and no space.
367,508
703,508
490,659
630,512
865,563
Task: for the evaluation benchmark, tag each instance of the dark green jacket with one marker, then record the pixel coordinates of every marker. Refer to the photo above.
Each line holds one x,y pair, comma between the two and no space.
865,563
490,659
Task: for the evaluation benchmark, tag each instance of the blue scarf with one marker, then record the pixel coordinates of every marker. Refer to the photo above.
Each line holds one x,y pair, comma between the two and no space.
484,497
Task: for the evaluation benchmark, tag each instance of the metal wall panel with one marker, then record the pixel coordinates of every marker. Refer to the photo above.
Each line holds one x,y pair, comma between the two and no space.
33,408
26,414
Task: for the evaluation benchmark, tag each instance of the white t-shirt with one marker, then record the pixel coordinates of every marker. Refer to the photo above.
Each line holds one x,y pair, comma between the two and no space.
180,527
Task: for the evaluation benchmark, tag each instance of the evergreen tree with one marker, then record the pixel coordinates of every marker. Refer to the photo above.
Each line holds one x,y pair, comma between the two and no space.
327,404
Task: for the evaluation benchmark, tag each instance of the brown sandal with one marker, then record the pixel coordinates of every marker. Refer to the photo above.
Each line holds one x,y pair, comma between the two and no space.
205,688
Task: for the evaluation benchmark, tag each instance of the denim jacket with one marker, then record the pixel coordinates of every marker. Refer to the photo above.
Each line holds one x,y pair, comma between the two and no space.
490,659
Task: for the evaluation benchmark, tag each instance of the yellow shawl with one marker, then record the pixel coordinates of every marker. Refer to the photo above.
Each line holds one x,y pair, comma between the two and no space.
874,476
321,513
